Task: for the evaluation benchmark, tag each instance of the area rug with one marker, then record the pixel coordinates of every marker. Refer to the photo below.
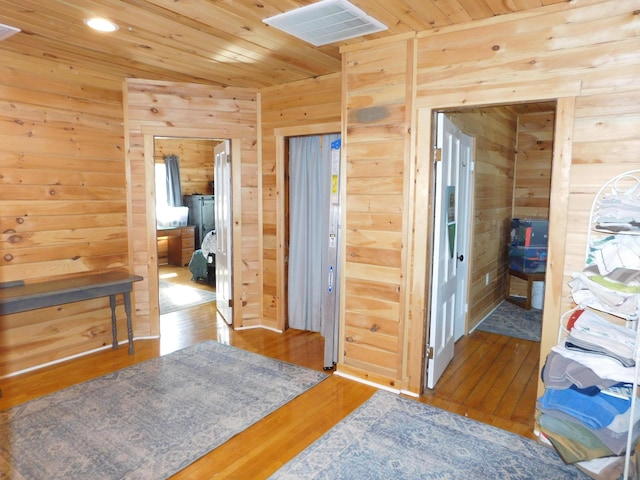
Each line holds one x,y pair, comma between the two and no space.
174,297
514,321
147,421
391,437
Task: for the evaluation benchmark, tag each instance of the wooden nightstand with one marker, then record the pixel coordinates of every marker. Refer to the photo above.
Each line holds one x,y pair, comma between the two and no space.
529,278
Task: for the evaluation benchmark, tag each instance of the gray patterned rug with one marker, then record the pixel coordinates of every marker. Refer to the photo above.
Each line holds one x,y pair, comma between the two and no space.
513,321
391,437
174,297
147,421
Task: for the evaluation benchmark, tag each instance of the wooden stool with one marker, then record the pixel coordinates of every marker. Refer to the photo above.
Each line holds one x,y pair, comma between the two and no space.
529,278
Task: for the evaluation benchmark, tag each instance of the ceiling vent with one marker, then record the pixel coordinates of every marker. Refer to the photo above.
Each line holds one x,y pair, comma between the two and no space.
6,31
326,22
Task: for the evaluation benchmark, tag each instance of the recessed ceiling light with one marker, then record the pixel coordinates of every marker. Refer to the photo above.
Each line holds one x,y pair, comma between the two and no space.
101,24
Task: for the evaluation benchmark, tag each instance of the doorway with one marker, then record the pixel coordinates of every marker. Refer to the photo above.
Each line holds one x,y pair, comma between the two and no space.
503,190
186,247
282,208
312,168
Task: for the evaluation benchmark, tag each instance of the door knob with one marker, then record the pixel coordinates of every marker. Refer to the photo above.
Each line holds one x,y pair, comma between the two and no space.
461,257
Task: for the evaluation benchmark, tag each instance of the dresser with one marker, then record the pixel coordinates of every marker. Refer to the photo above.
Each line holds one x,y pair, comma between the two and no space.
175,245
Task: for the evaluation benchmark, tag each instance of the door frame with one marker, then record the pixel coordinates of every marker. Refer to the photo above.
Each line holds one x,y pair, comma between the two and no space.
149,134
281,135
558,203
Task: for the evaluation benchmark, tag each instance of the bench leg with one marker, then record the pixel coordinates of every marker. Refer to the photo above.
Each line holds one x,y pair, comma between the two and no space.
114,328
127,309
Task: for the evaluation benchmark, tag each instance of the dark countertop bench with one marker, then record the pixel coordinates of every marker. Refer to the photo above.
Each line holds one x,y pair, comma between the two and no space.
17,297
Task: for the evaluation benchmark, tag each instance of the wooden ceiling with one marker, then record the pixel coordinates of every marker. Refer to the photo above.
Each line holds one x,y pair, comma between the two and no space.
221,42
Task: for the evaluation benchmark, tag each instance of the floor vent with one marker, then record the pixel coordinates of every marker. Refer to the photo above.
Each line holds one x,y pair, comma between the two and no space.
326,22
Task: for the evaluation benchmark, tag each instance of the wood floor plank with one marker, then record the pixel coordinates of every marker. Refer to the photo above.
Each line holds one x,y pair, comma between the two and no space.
473,353
501,378
526,404
491,383
260,450
511,404
468,377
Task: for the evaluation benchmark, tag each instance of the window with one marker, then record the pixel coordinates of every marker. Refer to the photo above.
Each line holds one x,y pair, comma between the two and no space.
161,187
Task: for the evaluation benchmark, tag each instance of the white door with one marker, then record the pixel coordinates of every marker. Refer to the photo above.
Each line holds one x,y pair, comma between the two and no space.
451,246
465,146
223,191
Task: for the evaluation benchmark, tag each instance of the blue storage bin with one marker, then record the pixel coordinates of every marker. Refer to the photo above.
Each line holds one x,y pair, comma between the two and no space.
528,259
529,232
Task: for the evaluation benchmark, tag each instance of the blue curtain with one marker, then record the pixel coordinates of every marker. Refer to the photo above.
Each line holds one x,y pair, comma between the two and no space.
309,207
174,190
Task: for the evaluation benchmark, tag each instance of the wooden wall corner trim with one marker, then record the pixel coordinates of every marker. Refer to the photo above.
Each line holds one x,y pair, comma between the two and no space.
558,205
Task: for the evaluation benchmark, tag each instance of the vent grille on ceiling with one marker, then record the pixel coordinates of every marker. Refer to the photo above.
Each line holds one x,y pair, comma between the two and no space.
326,22
6,31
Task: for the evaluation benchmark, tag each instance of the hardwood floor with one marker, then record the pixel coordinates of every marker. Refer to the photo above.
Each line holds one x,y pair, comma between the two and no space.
181,276
492,379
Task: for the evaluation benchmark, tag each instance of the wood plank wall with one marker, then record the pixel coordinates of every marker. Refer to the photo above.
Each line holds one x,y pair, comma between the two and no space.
301,104
378,109
63,203
534,155
196,162
532,177
548,53
196,111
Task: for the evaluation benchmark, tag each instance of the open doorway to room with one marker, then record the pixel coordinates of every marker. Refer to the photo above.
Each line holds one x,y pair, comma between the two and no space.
185,189
328,134
312,211
511,178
